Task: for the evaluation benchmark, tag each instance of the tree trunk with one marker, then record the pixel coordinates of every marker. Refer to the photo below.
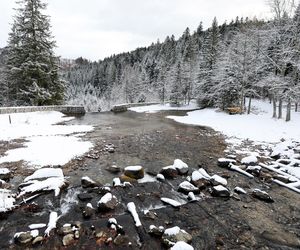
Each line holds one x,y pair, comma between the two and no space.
242,103
296,107
288,111
274,108
280,109
249,105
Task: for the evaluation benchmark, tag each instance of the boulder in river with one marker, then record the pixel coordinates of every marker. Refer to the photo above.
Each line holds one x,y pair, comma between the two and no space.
87,182
134,172
181,166
175,234
169,172
186,187
220,191
107,202
262,195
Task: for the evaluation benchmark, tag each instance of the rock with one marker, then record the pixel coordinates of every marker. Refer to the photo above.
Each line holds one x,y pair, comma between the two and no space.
169,172
150,214
134,172
121,240
218,180
84,196
249,160
113,169
87,182
282,178
181,167
201,183
191,196
176,234
125,178
23,237
88,211
160,177
38,239
5,174
255,170
181,245
107,202
262,195
104,190
186,187
170,202
68,239
264,176
76,234
156,231
65,229
220,191
239,190
225,162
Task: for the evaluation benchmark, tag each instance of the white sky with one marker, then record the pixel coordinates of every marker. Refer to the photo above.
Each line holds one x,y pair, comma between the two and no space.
96,29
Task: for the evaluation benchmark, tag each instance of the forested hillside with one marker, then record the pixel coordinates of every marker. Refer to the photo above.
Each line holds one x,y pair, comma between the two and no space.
219,66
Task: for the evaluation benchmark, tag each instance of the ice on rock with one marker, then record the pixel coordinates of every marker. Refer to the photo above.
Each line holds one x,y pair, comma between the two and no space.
45,173
132,209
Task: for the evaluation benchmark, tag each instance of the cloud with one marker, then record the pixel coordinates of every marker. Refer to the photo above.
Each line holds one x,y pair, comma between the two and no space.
98,28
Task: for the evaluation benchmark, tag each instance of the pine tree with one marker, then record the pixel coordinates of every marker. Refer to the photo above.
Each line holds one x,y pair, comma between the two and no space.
32,68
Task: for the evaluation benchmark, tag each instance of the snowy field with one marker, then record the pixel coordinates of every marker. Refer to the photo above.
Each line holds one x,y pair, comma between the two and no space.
46,143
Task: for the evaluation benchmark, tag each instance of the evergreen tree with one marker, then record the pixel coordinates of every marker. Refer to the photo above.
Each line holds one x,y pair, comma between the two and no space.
32,68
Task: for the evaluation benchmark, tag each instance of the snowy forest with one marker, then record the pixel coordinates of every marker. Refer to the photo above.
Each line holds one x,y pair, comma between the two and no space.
222,66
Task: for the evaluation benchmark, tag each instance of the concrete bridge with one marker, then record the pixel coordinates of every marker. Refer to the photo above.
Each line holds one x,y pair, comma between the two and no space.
65,109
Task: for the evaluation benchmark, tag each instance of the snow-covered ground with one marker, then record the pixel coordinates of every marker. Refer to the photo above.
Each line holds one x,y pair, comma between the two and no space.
46,143
159,107
257,126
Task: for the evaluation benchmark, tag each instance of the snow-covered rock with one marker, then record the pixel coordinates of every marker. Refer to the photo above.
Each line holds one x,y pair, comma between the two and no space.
200,179
45,179
87,182
5,174
181,166
262,195
239,190
217,180
181,245
53,218
220,191
176,234
170,202
156,231
169,172
135,172
23,237
191,196
107,202
160,177
7,200
132,209
45,173
225,162
186,187
255,170
37,226
249,160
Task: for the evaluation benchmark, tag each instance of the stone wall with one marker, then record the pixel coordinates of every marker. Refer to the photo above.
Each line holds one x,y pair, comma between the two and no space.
67,110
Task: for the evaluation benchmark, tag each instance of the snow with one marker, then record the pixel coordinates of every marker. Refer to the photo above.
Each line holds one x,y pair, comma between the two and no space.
147,178
196,175
53,218
45,173
173,231
246,126
90,205
191,196
249,159
171,202
50,184
160,177
112,221
48,150
4,171
132,209
117,182
238,169
134,168
181,245
160,107
46,143
37,226
6,200
34,233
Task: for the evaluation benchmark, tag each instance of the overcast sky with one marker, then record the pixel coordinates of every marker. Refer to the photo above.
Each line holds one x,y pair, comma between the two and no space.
96,29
